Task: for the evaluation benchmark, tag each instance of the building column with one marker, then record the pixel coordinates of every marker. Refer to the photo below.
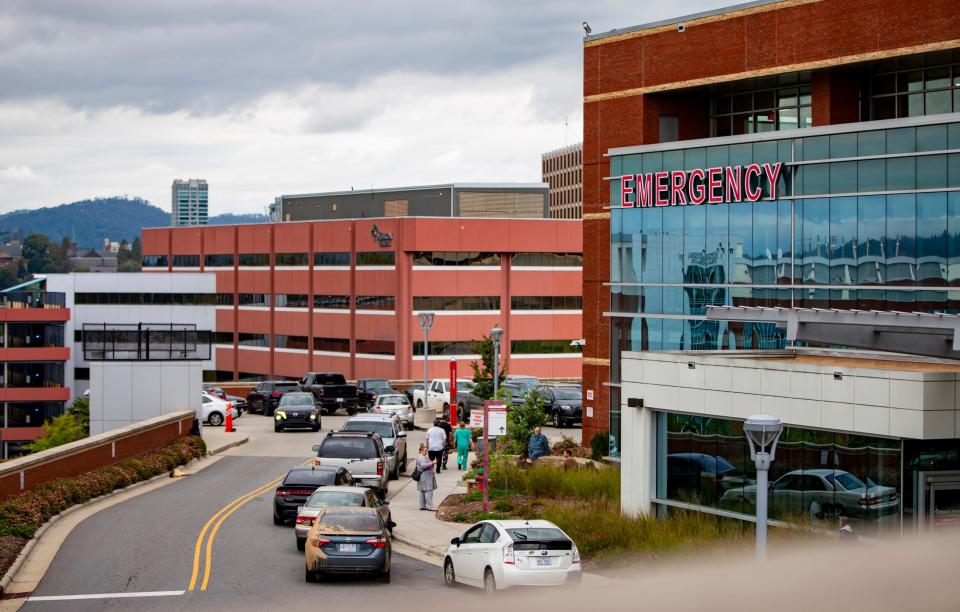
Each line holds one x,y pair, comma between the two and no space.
637,453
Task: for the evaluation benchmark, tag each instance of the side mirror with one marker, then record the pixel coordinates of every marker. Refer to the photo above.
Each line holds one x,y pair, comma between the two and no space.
401,434
391,524
316,448
299,509
455,541
390,449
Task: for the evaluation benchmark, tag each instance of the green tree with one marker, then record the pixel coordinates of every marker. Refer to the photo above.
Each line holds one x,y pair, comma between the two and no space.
80,408
483,370
72,425
522,420
37,251
128,259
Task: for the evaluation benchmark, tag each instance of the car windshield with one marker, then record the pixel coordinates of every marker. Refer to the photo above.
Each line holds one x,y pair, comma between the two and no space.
394,400
535,533
349,448
567,393
297,399
384,430
309,477
378,384
325,499
847,480
332,523
715,465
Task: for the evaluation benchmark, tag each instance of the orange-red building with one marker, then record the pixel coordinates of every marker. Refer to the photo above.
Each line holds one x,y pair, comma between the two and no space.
343,295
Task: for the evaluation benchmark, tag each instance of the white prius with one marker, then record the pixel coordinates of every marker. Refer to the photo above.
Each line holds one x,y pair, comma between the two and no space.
496,555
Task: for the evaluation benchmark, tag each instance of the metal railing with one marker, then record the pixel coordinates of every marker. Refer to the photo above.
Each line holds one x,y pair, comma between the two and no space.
33,299
146,342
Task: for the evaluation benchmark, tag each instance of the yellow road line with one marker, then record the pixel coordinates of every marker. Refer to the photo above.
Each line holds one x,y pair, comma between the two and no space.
203,532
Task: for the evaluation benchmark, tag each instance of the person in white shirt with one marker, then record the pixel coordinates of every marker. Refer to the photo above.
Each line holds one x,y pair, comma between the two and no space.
436,443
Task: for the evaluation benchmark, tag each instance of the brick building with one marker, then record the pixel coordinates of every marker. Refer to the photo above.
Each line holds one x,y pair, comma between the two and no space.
745,70
562,169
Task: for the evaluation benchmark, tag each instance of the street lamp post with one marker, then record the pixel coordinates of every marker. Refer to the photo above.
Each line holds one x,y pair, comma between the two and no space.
495,334
763,432
426,322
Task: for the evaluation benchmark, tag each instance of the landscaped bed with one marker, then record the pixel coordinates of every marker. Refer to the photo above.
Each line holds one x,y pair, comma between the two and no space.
22,515
585,503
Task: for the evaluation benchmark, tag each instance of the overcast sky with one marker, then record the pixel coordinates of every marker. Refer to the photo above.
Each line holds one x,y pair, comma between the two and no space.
102,98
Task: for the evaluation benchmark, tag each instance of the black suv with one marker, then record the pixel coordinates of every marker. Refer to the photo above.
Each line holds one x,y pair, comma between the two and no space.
265,396
563,405
369,388
299,484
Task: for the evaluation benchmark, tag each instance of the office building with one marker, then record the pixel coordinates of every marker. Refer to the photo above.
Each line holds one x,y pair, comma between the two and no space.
188,202
774,159
563,170
343,295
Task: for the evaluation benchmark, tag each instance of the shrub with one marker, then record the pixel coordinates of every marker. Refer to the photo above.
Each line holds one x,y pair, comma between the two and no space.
503,505
546,481
522,420
23,514
569,444
600,445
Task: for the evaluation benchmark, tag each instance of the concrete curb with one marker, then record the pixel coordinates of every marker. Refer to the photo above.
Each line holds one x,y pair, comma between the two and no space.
241,439
28,547
419,546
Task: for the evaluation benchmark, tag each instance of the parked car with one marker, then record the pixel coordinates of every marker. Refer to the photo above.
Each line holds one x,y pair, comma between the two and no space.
338,497
266,395
562,405
368,389
438,394
409,392
331,390
822,493
396,404
348,540
214,410
525,383
496,555
297,409
300,483
239,403
707,477
361,453
391,432
517,393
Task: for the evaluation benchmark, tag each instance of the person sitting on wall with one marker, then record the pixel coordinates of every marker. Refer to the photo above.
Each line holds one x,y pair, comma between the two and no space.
538,446
569,463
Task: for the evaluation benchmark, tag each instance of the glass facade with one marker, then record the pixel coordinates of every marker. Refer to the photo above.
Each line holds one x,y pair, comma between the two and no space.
866,219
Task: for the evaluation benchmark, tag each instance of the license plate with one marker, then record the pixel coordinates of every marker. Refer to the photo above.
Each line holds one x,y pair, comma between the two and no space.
347,548
340,399
544,562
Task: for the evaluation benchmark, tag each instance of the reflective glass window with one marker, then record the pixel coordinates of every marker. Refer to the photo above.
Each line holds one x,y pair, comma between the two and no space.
901,241
931,171
931,239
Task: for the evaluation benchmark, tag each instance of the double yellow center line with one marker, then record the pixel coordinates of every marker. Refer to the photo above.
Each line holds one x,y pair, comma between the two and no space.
215,521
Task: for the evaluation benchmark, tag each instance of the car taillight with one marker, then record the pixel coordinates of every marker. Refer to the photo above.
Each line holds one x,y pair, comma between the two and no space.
576,554
318,542
380,542
377,409
316,461
893,497
282,493
373,396
276,394
305,520
508,556
379,468
869,501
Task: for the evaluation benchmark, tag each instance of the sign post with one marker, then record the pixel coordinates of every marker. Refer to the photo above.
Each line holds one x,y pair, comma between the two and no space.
454,413
494,424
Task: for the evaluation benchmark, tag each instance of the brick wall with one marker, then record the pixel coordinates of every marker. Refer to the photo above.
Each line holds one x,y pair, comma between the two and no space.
630,79
93,452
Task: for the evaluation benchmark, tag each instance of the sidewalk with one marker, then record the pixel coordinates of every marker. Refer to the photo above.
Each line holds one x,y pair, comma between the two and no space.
218,440
420,528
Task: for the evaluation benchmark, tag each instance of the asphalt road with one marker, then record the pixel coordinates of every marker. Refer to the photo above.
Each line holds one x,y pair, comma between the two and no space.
146,544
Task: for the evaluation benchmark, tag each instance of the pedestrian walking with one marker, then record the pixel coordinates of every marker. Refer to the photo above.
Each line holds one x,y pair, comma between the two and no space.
464,440
436,442
447,429
428,479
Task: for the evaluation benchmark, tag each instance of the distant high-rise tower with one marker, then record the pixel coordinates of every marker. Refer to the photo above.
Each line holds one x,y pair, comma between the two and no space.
189,202
563,170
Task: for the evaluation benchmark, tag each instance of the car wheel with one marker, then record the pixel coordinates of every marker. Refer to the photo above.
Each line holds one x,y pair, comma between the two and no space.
395,472
419,404
316,428
351,411
460,413
403,464
277,428
489,582
385,577
301,544
449,575
446,410
556,418
216,419
312,576
277,520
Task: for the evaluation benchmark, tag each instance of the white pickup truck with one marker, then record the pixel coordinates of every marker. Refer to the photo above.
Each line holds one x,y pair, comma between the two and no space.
438,394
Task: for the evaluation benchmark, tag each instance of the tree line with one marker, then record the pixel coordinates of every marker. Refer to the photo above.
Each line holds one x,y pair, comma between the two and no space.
40,255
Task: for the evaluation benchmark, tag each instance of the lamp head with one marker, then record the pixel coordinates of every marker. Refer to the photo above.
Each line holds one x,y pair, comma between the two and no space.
495,334
762,431
426,320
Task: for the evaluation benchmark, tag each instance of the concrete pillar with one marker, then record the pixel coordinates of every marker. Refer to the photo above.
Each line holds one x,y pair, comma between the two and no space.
636,460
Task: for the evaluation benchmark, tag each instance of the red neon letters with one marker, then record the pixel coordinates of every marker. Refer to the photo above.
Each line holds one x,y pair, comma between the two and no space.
714,186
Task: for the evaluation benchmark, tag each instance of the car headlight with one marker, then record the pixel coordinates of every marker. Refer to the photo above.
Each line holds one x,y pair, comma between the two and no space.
313,416
280,414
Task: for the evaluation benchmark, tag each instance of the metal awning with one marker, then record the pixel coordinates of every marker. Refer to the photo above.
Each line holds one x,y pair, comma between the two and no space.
913,333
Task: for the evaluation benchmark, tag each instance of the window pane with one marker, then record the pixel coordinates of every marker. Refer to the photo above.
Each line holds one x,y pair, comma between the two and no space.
932,137
871,143
937,102
871,235
901,173
843,177
871,175
901,241
931,171
931,239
